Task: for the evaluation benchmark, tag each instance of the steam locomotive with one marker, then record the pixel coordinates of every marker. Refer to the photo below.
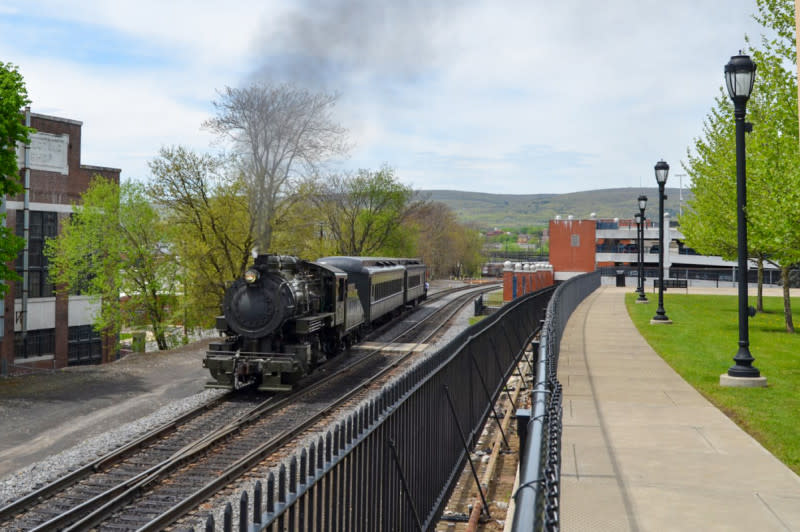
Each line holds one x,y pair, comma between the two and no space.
285,316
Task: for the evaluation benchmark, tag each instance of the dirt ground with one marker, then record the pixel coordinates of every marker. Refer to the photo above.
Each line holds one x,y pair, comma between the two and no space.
45,413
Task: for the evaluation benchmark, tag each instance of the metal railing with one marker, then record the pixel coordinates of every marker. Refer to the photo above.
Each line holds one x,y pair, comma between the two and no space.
392,464
537,497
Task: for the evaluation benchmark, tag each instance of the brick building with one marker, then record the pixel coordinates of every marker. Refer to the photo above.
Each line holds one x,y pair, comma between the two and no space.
55,330
572,247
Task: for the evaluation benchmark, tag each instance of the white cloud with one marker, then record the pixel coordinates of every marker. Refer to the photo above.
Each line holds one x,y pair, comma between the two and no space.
453,94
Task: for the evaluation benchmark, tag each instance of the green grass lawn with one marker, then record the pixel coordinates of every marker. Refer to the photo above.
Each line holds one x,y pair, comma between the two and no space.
700,346
494,298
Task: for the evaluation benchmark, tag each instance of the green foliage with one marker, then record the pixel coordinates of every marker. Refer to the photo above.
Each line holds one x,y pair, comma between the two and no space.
772,157
708,222
210,232
364,212
86,257
700,345
13,97
113,244
150,270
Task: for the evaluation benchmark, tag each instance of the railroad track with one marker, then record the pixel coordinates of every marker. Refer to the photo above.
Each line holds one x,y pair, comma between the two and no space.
165,474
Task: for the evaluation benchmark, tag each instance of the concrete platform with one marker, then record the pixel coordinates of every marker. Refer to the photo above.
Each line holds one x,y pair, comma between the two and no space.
642,450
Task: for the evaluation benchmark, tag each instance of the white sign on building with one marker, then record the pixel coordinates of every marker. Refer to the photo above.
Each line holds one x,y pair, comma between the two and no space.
48,152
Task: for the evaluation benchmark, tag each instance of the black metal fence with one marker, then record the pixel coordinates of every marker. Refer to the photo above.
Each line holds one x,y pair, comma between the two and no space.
537,497
393,463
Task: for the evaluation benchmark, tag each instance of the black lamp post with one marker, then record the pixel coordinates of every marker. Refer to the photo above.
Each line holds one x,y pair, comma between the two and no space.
662,170
640,222
740,72
638,219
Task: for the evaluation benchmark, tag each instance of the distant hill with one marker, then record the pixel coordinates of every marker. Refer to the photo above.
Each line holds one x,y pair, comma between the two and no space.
509,210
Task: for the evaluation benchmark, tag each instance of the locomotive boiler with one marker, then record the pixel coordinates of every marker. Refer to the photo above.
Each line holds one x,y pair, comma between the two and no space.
285,315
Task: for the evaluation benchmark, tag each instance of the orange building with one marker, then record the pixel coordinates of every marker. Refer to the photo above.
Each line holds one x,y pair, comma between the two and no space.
572,247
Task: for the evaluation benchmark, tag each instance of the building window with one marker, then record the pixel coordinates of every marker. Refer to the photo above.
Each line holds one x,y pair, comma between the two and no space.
43,225
85,346
575,241
37,343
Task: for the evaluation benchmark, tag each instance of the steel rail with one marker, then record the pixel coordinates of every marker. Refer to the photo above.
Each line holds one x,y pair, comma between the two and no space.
104,461
256,455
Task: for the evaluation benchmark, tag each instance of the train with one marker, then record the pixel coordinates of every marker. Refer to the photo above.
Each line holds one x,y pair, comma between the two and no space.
285,316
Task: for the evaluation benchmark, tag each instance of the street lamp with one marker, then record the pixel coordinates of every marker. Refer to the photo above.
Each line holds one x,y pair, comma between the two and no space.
739,76
662,170
640,221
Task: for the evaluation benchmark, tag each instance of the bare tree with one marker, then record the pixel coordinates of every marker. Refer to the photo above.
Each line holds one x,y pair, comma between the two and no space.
279,132
446,246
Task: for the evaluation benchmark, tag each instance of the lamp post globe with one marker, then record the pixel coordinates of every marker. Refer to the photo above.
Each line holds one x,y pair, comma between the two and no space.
740,74
662,171
739,77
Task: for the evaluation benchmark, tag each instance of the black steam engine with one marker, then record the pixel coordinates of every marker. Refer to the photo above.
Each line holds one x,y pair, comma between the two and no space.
286,316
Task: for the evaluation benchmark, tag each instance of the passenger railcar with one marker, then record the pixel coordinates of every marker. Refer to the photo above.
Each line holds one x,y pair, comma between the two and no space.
285,316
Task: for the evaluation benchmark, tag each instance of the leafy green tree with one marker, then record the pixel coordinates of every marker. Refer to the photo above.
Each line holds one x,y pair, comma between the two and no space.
711,214
211,230
13,97
86,257
775,152
113,244
773,159
150,273
364,212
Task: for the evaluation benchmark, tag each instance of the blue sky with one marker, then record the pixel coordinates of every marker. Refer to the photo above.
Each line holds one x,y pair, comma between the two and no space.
503,96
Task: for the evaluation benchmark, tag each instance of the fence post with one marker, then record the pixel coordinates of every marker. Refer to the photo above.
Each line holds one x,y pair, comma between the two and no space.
406,491
243,502
292,486
227,518
257,503
466,450
489,398
500,372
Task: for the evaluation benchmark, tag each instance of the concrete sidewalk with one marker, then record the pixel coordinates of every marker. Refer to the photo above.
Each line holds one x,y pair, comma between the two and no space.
642,450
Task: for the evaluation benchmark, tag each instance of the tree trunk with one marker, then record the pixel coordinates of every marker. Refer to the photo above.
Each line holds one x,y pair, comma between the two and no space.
760,297
787,302
161,339
158,331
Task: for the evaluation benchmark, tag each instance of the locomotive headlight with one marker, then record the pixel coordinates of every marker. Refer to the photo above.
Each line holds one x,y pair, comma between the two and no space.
251,276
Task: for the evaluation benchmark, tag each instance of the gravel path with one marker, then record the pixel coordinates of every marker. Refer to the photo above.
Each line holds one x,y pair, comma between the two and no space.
44,416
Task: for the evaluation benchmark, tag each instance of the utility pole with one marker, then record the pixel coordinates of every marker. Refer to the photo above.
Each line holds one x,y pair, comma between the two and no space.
680,194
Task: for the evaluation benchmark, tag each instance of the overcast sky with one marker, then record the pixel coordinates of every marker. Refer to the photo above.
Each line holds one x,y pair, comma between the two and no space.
500,96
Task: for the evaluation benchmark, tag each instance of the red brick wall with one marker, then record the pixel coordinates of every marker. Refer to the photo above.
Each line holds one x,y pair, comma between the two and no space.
54,188
572,245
